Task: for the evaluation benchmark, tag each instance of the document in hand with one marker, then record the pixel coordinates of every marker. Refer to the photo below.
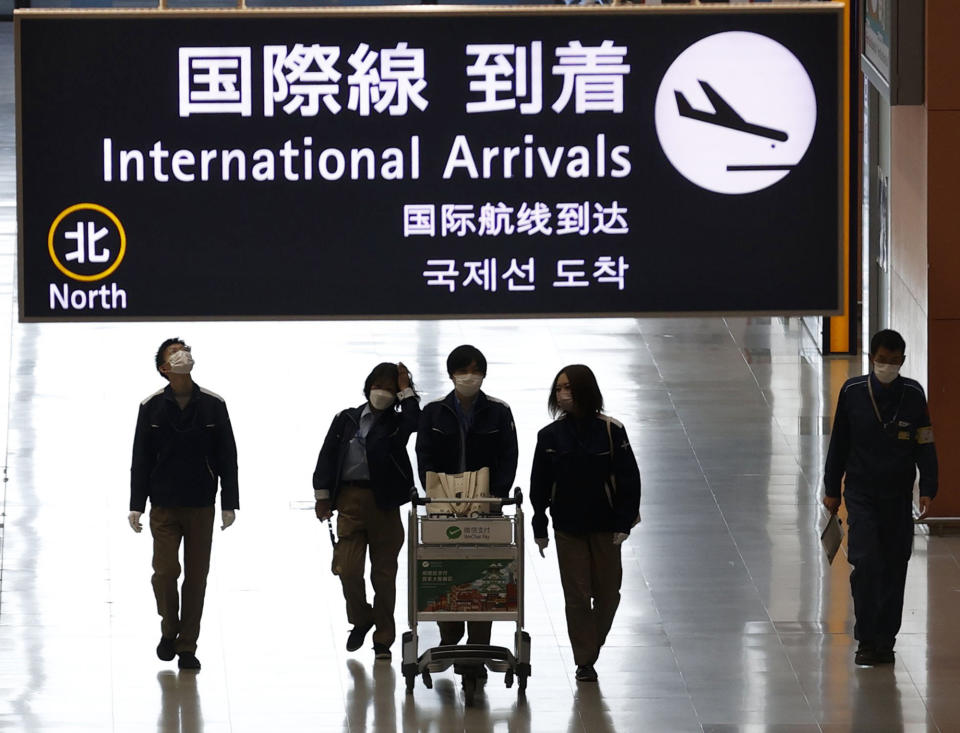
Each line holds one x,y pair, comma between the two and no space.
831,537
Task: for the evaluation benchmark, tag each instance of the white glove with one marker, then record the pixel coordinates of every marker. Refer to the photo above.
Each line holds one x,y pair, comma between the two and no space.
134,519
229,516
542,543
619,537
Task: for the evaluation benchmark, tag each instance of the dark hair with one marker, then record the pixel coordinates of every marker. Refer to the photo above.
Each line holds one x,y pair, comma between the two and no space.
163,347
384,372
887,339
584,388
463,356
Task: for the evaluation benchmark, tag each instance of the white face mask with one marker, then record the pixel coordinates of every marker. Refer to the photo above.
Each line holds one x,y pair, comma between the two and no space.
468,385
181,362
381,399
886,373
565,400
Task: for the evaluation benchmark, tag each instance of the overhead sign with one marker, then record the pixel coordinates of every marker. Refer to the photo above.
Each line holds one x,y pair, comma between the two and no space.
329,164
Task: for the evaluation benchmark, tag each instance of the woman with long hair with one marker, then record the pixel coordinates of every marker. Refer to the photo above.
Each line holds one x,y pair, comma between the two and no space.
585,473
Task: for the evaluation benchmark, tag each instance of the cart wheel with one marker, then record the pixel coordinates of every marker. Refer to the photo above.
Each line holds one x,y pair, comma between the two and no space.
469,689
522,682
508,678
427,679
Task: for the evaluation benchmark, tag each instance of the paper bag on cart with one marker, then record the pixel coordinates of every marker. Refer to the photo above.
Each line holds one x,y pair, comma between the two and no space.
467,485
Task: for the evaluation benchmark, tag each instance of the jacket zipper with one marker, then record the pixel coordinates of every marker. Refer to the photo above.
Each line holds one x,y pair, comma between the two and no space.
399,467
609,493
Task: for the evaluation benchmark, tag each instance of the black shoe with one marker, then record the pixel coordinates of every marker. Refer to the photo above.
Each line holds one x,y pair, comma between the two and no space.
381,651
885,655
166,649
188,660
866,655
586,673
357,635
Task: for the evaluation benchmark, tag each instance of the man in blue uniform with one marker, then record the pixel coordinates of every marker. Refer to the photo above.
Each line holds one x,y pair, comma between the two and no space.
881,435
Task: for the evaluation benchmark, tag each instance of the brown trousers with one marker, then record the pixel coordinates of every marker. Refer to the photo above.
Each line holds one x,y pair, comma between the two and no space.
590,572
361,524
194,526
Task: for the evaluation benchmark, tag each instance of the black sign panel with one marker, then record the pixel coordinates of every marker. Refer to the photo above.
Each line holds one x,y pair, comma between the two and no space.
323,165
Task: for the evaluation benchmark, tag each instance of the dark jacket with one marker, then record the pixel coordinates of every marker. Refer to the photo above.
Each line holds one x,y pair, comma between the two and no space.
391,474
444,447
881,457
571,473
179,454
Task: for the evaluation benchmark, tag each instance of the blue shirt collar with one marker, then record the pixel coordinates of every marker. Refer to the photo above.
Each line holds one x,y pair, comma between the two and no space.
466,417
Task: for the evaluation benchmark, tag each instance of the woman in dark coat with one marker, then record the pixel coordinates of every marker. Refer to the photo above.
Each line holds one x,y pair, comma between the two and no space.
585,473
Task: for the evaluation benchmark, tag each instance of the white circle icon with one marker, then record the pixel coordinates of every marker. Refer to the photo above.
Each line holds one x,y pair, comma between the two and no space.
735,112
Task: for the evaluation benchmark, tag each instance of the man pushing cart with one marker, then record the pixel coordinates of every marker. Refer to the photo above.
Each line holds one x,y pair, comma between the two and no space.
466,567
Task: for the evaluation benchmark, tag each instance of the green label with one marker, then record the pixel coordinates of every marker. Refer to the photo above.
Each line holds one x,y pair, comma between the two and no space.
466,585
454,532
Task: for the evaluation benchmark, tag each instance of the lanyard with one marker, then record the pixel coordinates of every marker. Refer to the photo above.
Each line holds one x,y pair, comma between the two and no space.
876,410
333,537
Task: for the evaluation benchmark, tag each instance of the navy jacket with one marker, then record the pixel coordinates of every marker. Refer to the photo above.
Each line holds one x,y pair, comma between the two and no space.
881,456
391,474
178,455
491,441
571,473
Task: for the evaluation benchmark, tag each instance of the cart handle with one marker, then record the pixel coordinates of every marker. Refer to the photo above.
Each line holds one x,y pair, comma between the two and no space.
493,500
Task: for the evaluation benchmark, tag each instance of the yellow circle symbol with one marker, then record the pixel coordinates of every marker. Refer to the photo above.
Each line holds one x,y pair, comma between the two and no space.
87,207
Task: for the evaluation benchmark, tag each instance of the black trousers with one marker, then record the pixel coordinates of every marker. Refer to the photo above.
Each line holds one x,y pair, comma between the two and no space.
478,632
879,545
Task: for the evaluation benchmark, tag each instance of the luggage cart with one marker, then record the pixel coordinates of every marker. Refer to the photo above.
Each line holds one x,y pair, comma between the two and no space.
466,569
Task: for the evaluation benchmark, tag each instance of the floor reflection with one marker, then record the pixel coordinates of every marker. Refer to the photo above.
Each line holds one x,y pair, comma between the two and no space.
876,700
589,711
371,705
443,709
180,710
377,694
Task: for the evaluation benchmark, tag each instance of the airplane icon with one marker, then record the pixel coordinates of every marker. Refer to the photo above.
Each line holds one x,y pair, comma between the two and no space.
724,115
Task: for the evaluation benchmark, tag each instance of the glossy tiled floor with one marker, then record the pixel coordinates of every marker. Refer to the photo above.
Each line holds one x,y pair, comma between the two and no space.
731,619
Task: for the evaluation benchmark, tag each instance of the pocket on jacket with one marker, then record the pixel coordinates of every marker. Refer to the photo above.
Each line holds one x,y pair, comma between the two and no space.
446,444
488,443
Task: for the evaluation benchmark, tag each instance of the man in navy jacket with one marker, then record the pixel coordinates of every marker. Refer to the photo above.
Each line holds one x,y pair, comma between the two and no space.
182,446
881,435
465,431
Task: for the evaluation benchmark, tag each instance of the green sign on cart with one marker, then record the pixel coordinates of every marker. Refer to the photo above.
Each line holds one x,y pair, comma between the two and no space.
472,585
